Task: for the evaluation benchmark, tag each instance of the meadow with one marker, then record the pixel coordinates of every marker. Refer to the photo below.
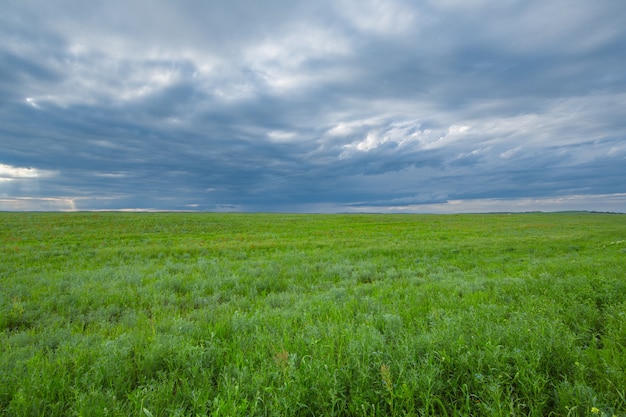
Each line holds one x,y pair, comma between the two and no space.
197,314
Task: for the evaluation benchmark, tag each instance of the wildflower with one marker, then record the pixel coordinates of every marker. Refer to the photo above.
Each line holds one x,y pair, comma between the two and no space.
595,410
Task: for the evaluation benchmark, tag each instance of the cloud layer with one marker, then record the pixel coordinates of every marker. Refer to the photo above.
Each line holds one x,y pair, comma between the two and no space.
313,105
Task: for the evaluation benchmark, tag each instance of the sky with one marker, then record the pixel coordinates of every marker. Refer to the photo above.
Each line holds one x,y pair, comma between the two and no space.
434,106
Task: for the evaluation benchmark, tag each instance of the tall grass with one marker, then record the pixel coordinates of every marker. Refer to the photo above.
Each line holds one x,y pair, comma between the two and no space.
288,315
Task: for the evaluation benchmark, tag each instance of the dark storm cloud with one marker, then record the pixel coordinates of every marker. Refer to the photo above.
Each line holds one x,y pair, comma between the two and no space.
312,106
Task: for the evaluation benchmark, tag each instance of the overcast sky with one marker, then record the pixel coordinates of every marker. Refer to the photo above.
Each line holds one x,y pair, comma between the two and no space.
316,106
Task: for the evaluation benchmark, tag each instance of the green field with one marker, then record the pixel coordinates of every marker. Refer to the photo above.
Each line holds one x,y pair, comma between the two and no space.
186,314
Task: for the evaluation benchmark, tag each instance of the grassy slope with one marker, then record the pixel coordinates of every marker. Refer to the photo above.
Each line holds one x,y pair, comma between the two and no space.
196,314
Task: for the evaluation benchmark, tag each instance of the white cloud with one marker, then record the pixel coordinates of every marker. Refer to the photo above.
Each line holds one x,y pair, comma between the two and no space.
454,133
614,151
381,17
297,44
510,152
9,172
282,59
37,204
371,141
281,136
402,133
348,128
603,203
32,102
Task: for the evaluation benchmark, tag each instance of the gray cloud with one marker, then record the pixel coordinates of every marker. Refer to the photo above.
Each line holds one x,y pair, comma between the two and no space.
311,106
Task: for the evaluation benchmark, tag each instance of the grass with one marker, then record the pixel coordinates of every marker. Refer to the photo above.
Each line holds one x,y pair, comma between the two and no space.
162,314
